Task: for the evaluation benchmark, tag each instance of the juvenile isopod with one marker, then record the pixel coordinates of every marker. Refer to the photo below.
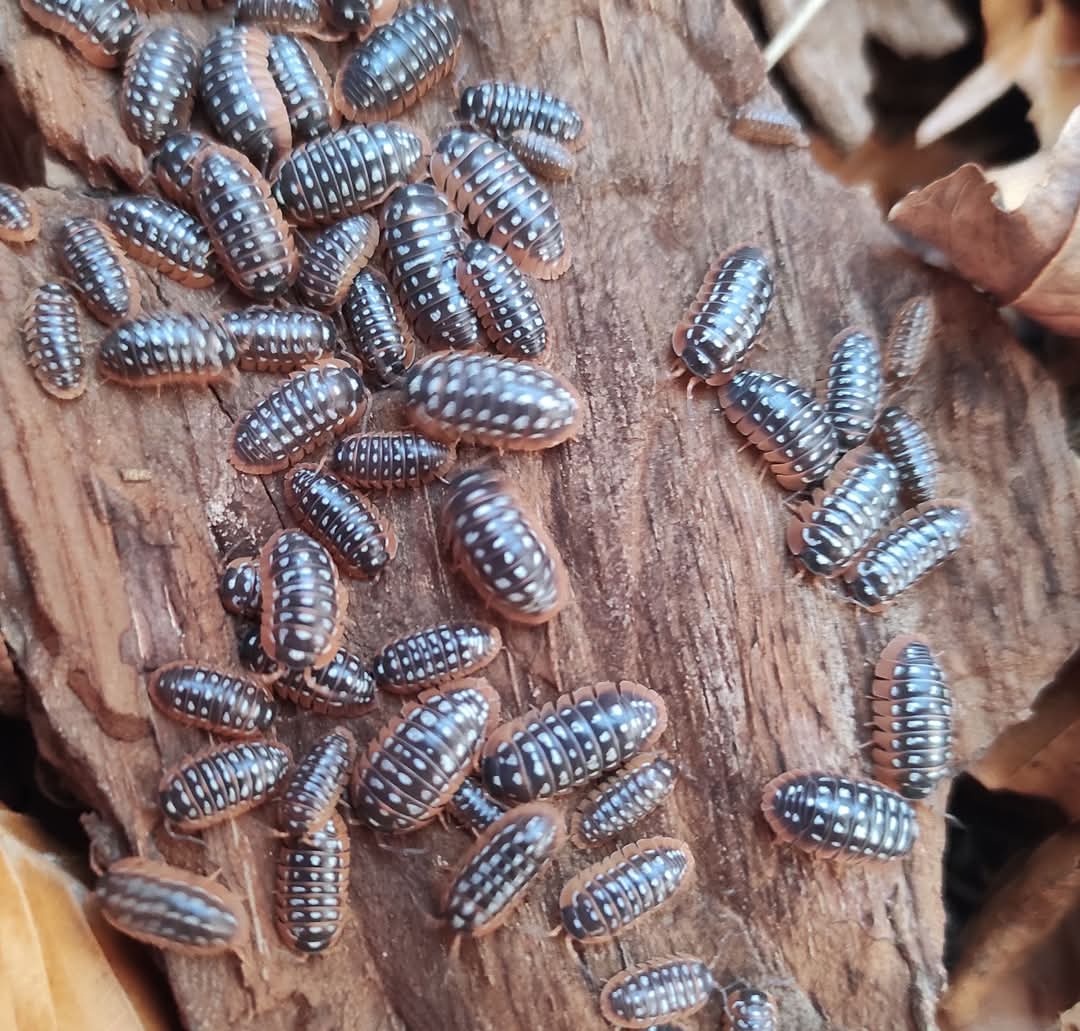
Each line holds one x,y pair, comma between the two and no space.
502,108
662,989
576,739
483,399
279,339
491,879
20,217
542,155
853,387
304,85
161,75
912,719
785,423
222,782
164,237
834,817
505,301
171,908
398,458
623,799
906,442
502,548
313,789
916,543
167,348
299,17
502,201
312,887
240,588
303,413
398,63
101,30
750,1009
910,335
434,655
172,166
209,699
418,760
360,16
473,807
332,260
726,317
375,335
100,273
769,123
53,341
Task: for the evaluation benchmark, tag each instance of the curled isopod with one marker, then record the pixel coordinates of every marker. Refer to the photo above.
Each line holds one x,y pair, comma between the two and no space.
164,237
398,458
906,442
304,85
157,95
910,336
240,588
750,1009
312,887
172,166
53,341
542,155
770,123
279,339
313,789
435,655
20,217
375,334
623,799
299,17
101,30
661,989
333,259
854,386
100,273
167,348
473,807
210,699
503,108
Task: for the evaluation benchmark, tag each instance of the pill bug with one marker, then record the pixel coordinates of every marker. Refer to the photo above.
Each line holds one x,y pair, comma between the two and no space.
623,799
332,260
435,655
605,899
502,108
303,413
360,16
854,386
398,63
249,649
835,817
210,699
304,85
750,1009
502,201
303,604
417,761
785,423
577,738
53,341
98,270
912,710
726,317
661,989
915,544
342,688
158,91
101,30
240,97
346,171
398,458
164,237
473,807
375,334
829,529
422,239
299,17
542,155
172,166
240,588
345,522
483,399
171,908
491,879
903,438
221,782
910,334
312,791
279,339
20,217
167,348
504,300
502,549
768,123
311,888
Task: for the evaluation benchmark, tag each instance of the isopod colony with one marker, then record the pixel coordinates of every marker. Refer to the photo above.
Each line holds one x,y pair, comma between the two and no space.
302,187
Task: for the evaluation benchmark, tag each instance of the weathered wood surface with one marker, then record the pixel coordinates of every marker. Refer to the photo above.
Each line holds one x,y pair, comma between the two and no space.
673,540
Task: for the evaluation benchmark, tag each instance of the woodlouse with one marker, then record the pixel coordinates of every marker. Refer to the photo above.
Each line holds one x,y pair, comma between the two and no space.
502,548
483,399
101,30
490,880
504,300
20,217
360,16
910,334
313,789
345,522
304,85
375,335
398,63
167,348
726,317
912,719
279,339
473,807
303,604
502,108
172,166
221,782
502,201
160,79
422,236
164,237
240,588
311,888
333,259
785,423
53,341
303,413
250,236
299,17
750,1009
171,908
419,759
829,529
435,655
398,458
903,438
916,543
577,738
768,123
99,272
542,155
624,799
634,881
210,699
250,651
854,386
661,989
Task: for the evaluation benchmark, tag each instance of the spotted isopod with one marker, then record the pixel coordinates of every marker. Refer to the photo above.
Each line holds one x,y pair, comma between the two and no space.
20,217
903,438
53,341
100,273
333,259
398,458
542,155
360,16
304,85
854,386
164,237
750,1009
375,335
313,789
910,335
435,655
209,699
299,17
311,888
473,807
661,989
769,123
157,95
502,108
623,799
101,30
172,166
167,348
240,588
279,339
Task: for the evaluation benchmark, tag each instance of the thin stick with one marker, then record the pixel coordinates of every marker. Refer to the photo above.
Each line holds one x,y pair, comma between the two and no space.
790,31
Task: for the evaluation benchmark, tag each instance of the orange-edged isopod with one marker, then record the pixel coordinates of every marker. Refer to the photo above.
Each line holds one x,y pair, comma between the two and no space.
312,887
542,155
750,1009
101,30
435,655
279,339
375,333
911,333
211,699
161,75
304,85
904,439
502,108
172,166
473,808
20,217
297,17
98,270
854,386
163,236
333,259
769,123
392,459
661,989
167,348
622,800
313,789
53,341
240,588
